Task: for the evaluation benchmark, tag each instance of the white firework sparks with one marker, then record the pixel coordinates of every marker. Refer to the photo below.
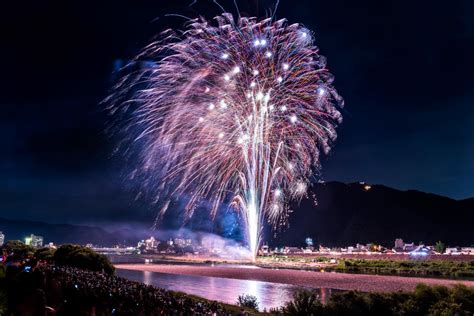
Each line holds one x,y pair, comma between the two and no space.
234,111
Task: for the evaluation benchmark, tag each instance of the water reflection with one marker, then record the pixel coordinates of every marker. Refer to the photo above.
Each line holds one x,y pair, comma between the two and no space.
269,295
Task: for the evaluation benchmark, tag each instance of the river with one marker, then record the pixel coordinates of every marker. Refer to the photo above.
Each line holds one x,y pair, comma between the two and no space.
269,295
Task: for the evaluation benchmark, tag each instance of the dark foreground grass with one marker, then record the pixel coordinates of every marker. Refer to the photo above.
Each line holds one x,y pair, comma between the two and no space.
3,291
425,300
72,291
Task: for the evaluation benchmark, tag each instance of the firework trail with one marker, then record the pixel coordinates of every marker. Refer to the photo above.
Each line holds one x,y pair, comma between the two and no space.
232,112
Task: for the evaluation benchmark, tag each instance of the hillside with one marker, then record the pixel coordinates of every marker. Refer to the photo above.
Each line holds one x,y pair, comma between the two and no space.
348,213
345,214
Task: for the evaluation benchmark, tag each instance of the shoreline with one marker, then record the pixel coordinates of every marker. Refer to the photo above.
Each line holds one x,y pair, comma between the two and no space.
339,281
436,268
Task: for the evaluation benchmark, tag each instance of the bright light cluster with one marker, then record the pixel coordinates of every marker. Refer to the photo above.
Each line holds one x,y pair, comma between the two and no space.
234,111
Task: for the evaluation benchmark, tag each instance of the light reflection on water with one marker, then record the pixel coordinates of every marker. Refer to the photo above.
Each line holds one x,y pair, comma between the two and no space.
225,290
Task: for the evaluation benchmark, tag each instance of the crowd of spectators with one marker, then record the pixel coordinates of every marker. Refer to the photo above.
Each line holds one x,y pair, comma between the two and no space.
52,290
75,280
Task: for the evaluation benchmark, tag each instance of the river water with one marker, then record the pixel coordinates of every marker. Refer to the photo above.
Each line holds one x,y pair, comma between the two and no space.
269,295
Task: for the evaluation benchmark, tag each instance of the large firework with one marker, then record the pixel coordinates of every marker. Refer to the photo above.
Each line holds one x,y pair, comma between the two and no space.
233,112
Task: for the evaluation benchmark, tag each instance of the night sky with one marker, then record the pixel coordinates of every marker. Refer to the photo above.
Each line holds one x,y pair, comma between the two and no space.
404,68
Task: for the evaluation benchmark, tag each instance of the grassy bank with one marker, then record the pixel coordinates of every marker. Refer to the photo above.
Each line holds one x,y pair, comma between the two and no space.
413,267
425,300
230,308
457,269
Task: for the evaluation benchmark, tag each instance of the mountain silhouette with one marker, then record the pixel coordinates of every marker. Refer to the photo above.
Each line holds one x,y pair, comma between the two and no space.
333,214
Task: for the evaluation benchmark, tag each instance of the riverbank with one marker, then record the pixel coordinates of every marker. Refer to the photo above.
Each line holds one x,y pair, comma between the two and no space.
439,266
71,291
340,281
435,266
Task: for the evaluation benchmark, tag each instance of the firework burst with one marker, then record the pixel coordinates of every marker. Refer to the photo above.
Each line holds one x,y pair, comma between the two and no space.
233,112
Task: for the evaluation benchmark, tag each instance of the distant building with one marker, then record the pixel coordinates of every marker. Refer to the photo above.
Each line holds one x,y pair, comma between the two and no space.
399,244
2,238
421,250
409,247
452,251
292,250
402,247
141,244
324,249
359,248
278,250
467,250
34,241
51,245
183,242
151,243
265,250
